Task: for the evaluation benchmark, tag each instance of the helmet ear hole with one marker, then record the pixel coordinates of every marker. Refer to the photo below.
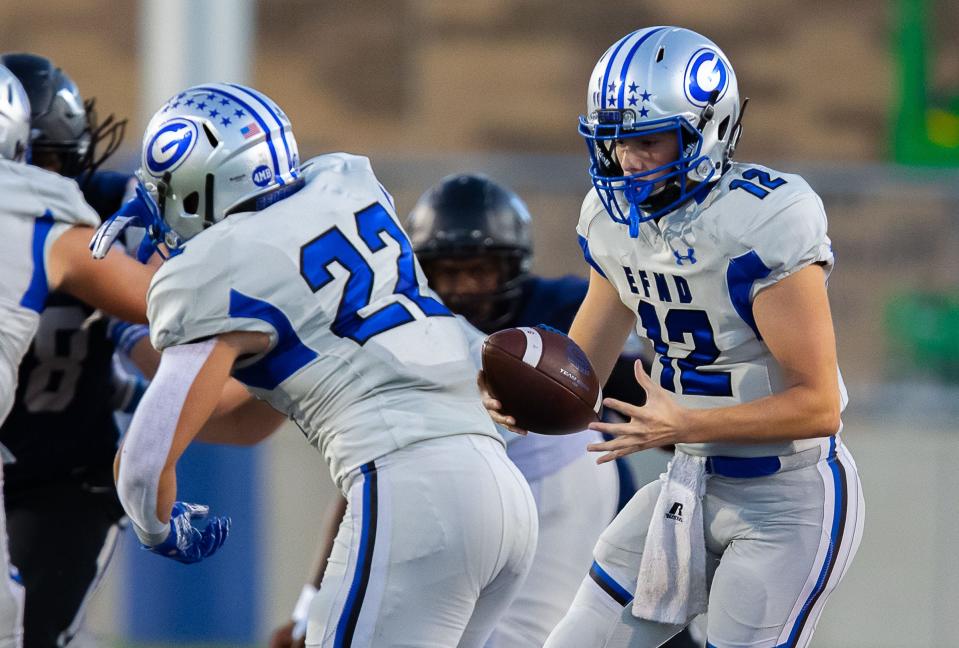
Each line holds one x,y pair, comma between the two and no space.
191,204
723,125
214,142
660,54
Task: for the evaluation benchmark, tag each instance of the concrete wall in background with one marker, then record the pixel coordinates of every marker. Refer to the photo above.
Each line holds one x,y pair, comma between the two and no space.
427,75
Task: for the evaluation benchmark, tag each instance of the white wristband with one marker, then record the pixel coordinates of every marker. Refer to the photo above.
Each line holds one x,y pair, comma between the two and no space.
150,539
302,608
301,611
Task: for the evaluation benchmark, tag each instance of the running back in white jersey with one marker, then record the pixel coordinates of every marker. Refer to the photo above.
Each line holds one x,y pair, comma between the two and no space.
364,357
694,302
38,206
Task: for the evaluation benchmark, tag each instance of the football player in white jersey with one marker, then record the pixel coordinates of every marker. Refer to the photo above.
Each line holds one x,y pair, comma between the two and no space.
46,226
485,280
298,281
723,267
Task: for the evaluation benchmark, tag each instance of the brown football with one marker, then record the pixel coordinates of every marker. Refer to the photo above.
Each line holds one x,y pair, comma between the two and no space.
543,379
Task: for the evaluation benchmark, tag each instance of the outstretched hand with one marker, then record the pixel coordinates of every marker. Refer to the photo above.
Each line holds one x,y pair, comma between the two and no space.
658,423
186,543
494,407
136,212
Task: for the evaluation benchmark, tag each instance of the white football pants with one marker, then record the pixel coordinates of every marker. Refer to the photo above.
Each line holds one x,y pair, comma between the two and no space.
777,546
436,541
574,505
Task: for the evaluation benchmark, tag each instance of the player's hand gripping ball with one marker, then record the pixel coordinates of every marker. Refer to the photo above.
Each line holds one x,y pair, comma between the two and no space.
543,380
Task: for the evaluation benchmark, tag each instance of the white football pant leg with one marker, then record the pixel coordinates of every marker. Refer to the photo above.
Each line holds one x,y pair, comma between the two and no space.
574,505
601,612
437,539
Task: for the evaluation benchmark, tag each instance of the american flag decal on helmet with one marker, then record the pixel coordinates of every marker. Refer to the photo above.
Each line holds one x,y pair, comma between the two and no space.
250,130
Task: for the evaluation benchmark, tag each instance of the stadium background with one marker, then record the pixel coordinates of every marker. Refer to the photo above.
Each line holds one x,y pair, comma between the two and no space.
860,96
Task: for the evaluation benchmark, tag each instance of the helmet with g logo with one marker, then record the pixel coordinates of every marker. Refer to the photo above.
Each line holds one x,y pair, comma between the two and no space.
655,80
213,150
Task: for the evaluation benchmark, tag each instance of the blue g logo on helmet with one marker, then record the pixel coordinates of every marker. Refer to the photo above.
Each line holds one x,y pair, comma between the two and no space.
706,73
170,146
262,175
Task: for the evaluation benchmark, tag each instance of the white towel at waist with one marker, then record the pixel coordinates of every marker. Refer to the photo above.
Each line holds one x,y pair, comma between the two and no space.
672,575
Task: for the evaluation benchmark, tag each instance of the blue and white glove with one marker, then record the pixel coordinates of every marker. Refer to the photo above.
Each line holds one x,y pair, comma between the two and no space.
136,212
186,543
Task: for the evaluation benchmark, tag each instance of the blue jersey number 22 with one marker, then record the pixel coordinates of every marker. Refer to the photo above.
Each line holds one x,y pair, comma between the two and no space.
374,225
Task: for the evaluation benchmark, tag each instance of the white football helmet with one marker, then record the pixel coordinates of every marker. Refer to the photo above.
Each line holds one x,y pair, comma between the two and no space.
213,150
654,80
14,117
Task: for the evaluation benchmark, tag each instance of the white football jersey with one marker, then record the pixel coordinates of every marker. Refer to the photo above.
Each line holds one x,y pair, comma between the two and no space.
691,279
37,207
364,357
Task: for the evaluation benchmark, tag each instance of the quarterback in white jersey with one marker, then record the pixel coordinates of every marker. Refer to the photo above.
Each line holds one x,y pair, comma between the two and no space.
46,225
298,281
722,267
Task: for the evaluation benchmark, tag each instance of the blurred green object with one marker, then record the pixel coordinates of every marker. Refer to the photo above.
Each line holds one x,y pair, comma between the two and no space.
926,126
924,328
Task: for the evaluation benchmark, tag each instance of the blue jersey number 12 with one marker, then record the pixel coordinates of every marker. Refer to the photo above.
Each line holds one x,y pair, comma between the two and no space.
678,323
374,225
768,183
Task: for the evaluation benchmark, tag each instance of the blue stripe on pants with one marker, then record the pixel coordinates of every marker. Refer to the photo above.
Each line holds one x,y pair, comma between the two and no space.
835,541
606,582
364,560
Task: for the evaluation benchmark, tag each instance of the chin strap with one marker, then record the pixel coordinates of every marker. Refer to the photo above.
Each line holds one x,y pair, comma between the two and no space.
736,130
633,221
708,111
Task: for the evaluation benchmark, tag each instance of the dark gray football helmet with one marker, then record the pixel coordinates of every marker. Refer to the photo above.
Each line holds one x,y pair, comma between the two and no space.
64,131
470,215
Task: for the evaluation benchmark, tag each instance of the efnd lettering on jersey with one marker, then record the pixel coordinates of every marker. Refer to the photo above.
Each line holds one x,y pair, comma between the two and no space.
705,73
170,145
659,286
262,175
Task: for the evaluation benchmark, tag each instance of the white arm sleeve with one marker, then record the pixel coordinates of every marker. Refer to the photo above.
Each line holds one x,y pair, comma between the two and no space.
147,442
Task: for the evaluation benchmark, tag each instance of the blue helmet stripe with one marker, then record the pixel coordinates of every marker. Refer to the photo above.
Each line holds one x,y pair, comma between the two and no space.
259,120
629,59
265,104
609,67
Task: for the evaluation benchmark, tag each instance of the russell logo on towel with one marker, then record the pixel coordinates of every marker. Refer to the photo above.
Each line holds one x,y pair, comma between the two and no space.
675,512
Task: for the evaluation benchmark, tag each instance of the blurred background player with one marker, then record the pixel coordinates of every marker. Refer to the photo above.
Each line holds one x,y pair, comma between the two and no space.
61,429
47,227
